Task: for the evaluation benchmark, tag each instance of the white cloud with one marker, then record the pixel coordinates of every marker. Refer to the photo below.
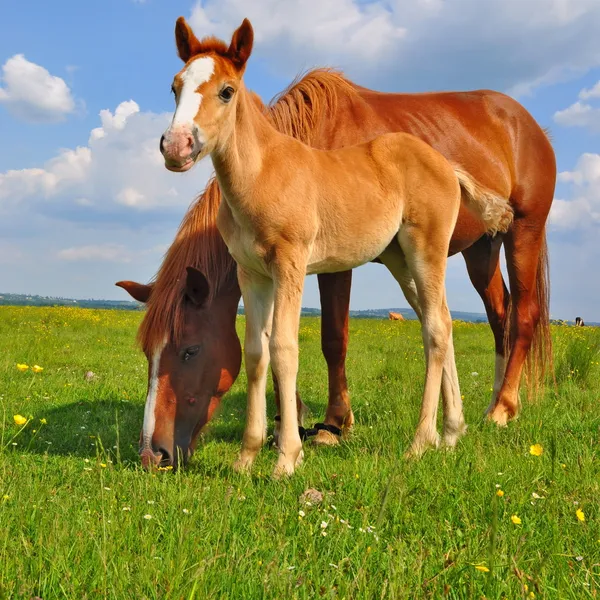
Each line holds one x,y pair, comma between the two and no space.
593,92
104,253
581,113
582,211
31,93
512,45
120,170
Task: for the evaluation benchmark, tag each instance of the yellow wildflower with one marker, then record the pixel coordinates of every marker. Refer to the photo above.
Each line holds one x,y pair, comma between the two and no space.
20,420
580,514
6,497
37,369
22,367
103,465
482,568
43,421
536,450
499,493
516,520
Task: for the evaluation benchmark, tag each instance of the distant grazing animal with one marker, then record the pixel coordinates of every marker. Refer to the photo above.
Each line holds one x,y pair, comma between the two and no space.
579,322
394,198
394,316
188,331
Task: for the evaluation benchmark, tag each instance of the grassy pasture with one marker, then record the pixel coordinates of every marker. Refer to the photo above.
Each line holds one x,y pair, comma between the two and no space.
79,518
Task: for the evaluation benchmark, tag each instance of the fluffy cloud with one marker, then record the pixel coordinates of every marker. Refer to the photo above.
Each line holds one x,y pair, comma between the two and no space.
582,113
120,170
31,93
424,44
103,252
583,209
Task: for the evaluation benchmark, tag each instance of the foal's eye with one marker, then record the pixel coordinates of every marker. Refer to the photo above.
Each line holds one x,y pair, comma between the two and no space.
190,352
226,94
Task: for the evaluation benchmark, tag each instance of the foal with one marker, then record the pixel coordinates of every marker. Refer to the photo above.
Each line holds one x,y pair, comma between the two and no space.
289,210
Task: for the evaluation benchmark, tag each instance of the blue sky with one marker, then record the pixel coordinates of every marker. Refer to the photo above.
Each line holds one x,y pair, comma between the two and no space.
84,97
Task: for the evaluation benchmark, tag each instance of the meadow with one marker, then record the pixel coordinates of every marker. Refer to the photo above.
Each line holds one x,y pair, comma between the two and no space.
511,513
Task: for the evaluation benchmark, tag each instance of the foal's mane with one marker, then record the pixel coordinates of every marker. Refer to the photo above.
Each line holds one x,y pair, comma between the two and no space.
297,112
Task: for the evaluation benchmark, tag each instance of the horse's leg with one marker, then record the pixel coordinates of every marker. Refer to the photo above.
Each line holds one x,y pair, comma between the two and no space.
483,265
454,421
258,306
283,347
523,245
300,406
334,289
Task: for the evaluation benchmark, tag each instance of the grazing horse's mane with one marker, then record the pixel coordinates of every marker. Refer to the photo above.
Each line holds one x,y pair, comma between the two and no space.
296,111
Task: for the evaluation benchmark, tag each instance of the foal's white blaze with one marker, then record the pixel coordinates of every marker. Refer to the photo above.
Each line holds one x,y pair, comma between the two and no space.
149,417
197,73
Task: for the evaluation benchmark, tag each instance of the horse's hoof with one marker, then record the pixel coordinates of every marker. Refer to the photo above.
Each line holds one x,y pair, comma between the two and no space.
451,438
500,415
421,444
325,438
243,464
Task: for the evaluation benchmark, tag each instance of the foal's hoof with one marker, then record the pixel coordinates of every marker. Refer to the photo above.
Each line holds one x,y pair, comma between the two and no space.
421,444
243,464
285,467
451,438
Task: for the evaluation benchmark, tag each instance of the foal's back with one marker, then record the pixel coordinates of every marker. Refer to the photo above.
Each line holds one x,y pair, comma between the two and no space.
363,194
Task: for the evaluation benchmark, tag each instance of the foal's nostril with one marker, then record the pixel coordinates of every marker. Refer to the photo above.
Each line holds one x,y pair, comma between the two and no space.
162,144
190,142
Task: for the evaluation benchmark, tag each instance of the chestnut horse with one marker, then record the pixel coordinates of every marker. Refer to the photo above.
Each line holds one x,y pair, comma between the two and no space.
394,198
492,136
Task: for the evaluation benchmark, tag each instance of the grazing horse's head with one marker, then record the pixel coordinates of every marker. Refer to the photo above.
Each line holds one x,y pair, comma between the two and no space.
205,94
189,338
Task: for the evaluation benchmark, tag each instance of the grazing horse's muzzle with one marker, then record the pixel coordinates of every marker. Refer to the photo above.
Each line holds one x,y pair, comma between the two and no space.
160,457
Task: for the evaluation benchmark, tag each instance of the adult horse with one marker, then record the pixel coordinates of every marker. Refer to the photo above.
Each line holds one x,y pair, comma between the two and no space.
188,332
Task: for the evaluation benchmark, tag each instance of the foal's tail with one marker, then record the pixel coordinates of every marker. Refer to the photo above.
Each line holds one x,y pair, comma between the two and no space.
495,211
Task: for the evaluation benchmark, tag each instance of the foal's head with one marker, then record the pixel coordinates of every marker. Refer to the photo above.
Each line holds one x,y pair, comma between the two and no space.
206,92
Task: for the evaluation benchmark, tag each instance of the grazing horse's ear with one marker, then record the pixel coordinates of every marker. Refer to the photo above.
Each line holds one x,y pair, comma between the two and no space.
187,43
138,291
241,44
197,288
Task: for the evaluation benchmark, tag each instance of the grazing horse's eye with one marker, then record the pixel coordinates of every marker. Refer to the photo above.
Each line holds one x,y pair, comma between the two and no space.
190,353
226,94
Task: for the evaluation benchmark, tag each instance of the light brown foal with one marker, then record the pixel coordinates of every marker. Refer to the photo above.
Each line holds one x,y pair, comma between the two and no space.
289,210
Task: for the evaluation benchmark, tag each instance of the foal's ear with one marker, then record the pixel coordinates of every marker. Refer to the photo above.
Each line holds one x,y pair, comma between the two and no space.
197,288
187,43
138,291
241,44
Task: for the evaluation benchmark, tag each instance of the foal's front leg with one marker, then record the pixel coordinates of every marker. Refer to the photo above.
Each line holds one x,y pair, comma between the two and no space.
289,283
258,306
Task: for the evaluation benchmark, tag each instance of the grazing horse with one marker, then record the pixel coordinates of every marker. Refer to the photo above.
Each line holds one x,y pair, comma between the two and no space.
394,198
189,338
579,322
394,316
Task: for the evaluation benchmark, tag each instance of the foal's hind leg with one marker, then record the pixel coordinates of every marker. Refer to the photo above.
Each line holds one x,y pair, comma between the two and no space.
454,422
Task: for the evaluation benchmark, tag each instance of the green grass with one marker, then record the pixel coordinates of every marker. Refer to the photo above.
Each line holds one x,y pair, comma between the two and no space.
73,498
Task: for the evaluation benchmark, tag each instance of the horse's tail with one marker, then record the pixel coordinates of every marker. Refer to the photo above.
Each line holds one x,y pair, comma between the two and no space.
494,210
539,364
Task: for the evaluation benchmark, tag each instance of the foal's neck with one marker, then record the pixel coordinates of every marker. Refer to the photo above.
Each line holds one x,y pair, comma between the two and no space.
238,161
